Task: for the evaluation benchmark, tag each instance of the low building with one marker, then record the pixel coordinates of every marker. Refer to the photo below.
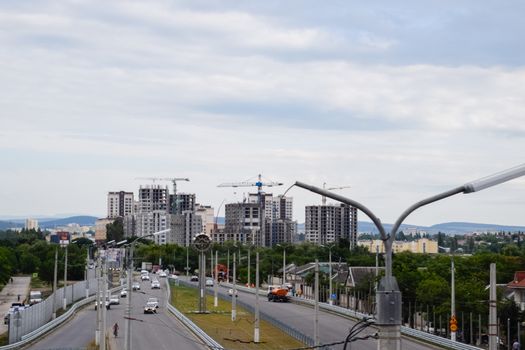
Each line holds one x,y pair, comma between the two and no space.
419,246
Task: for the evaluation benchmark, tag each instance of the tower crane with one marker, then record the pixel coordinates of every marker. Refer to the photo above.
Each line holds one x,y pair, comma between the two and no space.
171,179
331,188
259,184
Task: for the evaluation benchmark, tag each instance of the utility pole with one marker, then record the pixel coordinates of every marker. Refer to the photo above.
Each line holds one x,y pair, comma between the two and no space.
234,295
127,340
493,323
187,260
55,284
316,307
256,331
102,306
215,285
98,272
87,274
284,265
330,301
249,284
228,268
64,306
452,300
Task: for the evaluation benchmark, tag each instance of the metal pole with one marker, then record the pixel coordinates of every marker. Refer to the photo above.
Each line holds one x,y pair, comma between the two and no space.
127,344
452,297
98,272
87,274
428,329
518,336
493,323
479,329
55,284
215,285
64,306
256,334
103,304
284,265
330,301
508,334
249,284
471,330
228,268
187,261
316,293
234,295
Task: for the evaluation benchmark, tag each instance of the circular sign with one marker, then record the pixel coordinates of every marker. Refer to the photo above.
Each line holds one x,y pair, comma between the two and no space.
453,327
202,242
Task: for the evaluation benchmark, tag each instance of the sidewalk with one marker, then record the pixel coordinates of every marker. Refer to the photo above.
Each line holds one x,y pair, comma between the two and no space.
9,295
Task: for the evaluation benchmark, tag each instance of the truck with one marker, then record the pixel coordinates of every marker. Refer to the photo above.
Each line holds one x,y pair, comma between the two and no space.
278,293
146,266
35,297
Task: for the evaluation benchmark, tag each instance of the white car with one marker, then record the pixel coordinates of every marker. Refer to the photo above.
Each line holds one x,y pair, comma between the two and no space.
107,303
230,292
173,277
150,308
114,300
154,301
144,277
209,282
135,286
155,284
163,274
194,278
123,293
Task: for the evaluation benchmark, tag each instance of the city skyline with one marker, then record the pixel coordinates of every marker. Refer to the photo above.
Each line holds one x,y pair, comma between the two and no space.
398,101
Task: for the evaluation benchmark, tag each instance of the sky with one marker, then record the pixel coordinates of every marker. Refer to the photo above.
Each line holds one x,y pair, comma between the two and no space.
398,100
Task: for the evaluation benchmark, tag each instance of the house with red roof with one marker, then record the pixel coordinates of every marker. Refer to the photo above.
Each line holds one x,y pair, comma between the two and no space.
517,286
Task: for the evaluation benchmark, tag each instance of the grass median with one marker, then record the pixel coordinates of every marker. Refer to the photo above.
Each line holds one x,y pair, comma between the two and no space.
218,324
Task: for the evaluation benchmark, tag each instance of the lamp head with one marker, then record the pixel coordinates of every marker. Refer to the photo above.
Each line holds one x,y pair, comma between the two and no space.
494,179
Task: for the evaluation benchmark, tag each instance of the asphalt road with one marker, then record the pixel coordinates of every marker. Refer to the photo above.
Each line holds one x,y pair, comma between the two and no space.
332,328
149,331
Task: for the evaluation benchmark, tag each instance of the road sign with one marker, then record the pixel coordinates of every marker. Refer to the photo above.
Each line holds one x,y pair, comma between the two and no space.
453,327
453,320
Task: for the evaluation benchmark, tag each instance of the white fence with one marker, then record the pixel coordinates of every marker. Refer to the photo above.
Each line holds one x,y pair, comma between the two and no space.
26,321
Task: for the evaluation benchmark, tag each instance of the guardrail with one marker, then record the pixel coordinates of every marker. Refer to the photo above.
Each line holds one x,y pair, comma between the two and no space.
30,337
414,333
209,341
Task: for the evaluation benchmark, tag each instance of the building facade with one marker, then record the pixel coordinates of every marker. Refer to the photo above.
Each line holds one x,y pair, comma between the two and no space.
418,246
31,224
120,204
330,223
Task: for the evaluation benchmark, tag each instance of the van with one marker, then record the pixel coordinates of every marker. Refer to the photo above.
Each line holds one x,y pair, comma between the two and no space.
35,297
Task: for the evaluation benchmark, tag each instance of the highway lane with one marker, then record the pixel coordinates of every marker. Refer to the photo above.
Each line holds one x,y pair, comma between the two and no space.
332,328
158,331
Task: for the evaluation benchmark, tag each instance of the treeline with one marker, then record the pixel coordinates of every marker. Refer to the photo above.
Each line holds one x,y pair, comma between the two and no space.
27,252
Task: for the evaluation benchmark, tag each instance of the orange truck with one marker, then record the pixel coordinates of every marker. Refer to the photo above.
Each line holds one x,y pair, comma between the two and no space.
278,293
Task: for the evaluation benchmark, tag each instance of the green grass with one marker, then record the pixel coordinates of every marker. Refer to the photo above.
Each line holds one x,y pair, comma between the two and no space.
218,323
4,339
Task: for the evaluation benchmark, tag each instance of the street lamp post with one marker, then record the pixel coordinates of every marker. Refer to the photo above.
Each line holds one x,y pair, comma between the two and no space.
388,293
256,331
234,294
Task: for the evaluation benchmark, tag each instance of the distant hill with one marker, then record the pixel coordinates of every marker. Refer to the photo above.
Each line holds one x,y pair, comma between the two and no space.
81,220
4,225
46,223
451,228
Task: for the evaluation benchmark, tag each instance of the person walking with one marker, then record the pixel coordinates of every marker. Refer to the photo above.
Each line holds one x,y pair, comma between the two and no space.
516,345
115,329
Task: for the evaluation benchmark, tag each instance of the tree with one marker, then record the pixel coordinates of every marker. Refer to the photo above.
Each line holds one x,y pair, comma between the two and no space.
115,230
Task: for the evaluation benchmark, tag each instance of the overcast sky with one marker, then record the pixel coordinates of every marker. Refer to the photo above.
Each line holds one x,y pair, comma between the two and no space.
399,100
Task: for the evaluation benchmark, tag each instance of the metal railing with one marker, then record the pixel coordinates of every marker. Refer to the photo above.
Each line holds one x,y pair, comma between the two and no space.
414,333
32,336
209,341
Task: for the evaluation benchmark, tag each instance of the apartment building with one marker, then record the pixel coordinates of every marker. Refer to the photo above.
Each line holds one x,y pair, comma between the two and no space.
120,204
330,223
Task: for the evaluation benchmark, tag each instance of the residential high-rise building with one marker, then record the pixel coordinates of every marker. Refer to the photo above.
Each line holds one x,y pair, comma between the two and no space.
120,204
330,223
184,202
184,228
244,223
207,217
152,212
31,224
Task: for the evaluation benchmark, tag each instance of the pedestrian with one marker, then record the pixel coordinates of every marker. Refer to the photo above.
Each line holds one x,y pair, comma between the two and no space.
18,297
516,345
11,279
115,329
